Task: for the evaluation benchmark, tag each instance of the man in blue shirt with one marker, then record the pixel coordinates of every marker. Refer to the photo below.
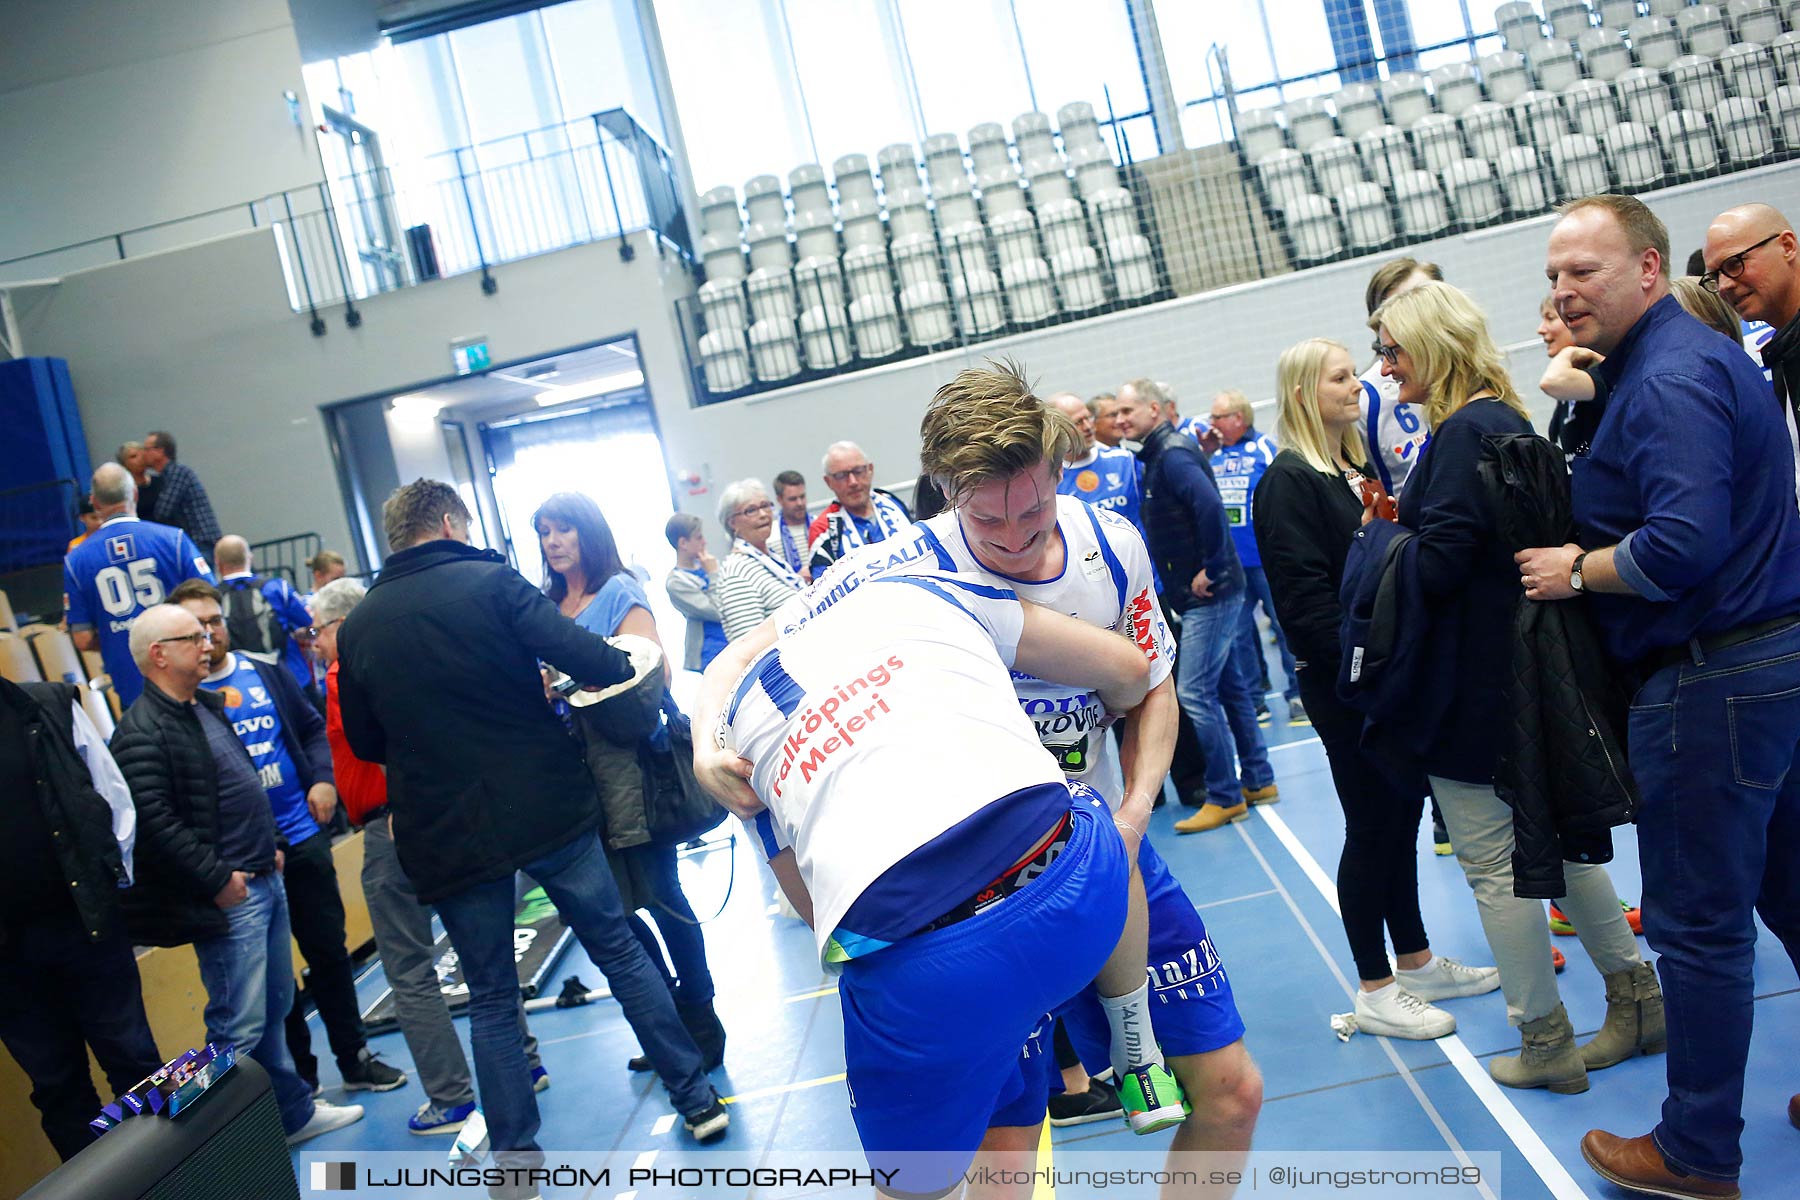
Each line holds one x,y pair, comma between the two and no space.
285,738
125,567
1240,455
1691,553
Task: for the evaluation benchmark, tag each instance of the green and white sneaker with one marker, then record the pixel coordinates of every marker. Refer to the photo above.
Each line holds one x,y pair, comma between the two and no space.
1153,1100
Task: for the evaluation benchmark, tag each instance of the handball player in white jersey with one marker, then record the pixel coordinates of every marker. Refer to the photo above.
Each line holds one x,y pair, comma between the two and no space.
952,876
997,453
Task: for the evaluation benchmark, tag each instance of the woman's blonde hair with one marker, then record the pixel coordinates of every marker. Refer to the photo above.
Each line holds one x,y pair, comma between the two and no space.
1705,306
1453,355
1298,425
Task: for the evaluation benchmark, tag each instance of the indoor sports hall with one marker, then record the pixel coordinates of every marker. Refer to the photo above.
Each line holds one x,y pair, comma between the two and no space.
667,261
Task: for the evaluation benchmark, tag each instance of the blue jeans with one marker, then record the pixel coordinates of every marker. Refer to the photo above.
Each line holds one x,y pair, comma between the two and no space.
249,976
656,867
480,922
1715,746
1256,591
1219,698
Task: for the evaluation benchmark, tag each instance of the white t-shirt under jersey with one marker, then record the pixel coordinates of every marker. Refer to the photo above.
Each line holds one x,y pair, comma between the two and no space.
878,725
1106,581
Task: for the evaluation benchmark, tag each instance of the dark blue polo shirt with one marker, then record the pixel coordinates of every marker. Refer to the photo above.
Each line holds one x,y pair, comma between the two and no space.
1691,475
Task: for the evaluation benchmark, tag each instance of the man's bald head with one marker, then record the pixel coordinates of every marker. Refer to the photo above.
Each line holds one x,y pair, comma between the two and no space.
1752,255
114,490
232,554
1076,409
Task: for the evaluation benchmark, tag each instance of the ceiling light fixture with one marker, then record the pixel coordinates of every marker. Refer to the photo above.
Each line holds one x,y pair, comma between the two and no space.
590,389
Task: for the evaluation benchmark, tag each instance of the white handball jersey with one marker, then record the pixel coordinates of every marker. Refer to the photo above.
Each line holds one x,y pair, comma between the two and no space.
1106,581
876,726
1395,432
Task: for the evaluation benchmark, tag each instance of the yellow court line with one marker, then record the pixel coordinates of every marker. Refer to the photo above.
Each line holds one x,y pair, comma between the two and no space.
759,1093
1042,1188
827,991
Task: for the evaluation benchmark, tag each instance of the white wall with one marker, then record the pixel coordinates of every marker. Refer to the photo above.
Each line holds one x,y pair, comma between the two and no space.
201,341
116,115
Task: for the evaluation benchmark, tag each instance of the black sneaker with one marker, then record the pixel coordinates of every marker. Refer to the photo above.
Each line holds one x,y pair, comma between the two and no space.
709,1122
1099,1103
370,1074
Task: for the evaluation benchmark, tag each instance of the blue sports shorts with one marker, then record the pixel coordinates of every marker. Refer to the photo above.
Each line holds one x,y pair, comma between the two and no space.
1191,1006
933,1024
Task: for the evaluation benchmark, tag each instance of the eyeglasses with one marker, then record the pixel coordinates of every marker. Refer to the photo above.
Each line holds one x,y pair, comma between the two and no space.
211,623
753,509
849,473
201,637
1387,352
1732,267
318,629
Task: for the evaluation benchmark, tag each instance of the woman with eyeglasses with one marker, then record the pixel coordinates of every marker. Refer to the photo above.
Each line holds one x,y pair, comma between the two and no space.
1434,343
1308,506
592,586
752,583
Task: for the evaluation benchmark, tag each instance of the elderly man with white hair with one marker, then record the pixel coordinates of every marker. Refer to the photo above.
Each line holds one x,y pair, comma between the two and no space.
861,514
208,871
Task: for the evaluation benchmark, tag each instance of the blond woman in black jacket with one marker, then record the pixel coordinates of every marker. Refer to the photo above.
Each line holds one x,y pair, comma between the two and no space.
1308,506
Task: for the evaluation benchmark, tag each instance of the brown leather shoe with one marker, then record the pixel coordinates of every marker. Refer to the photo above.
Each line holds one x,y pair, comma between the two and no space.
1794,1112
1636,1165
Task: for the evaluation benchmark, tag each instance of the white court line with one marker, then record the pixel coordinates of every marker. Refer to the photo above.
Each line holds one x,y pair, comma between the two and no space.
631,1195
1548,1167
643,1161
1235,899
663,1124
1311,741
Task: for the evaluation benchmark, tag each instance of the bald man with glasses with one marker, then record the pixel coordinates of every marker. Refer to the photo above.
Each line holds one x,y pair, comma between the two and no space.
208,871
1753,263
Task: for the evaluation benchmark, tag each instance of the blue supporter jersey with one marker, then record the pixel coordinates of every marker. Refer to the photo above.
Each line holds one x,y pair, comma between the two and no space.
126,566
251,711
1237,470
1107,478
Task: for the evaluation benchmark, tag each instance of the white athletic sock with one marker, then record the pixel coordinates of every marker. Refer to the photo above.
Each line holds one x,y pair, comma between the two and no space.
1133,1041
1422,967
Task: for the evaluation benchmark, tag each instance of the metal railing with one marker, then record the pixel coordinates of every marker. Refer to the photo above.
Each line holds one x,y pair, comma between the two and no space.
287,557
360,234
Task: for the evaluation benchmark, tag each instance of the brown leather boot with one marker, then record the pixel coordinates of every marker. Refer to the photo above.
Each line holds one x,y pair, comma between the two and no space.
1634,1019
1636,1165
1548,1058
1212,816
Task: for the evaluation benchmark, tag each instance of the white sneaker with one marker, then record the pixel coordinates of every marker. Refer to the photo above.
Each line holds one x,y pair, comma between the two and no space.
325,1118
1397,1013
1446,979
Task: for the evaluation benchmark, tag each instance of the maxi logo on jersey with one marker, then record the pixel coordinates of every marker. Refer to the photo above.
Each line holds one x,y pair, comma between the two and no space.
863,709
1144,617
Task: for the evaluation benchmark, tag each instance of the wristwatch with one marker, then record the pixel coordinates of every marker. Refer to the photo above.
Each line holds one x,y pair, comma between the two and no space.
1575,571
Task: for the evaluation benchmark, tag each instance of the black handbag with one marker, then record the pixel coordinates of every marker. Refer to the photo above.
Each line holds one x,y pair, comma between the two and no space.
675,807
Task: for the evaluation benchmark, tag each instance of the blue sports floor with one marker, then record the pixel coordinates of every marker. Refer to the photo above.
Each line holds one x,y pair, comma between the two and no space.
1265,886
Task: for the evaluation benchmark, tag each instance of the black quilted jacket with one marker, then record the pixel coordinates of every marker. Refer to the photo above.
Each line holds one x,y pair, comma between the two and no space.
161,749
1562,763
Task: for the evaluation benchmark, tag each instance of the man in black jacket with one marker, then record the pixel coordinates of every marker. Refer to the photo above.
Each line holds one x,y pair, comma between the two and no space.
285,738
208,870
438,679
1190,543
68,979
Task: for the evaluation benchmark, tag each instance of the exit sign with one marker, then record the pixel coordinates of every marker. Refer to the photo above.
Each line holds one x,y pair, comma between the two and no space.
470,354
